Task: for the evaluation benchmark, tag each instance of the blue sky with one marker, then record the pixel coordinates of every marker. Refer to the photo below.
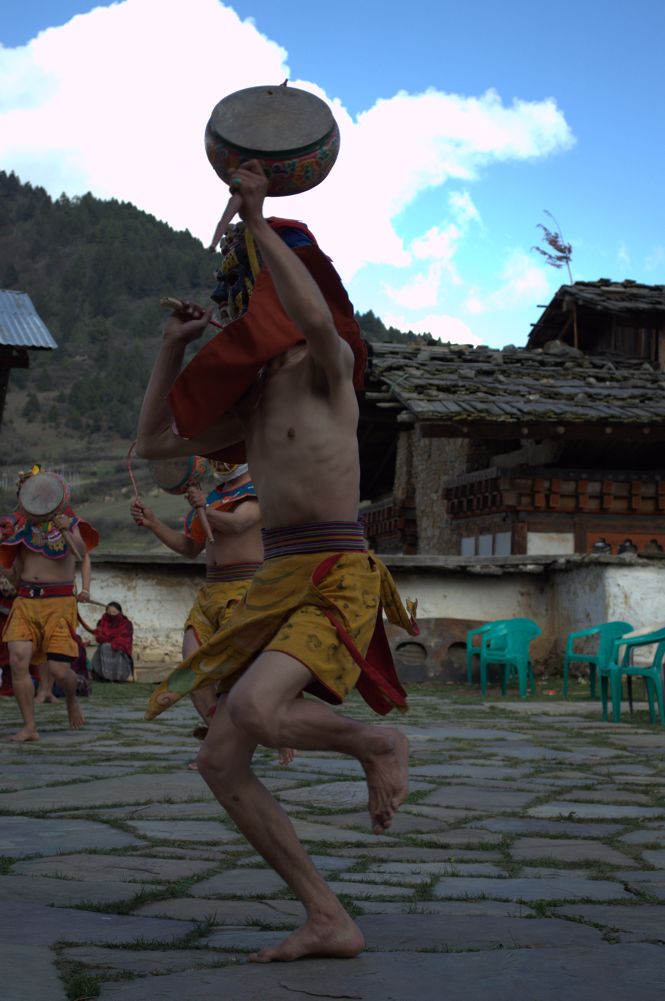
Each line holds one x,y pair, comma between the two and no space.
460,124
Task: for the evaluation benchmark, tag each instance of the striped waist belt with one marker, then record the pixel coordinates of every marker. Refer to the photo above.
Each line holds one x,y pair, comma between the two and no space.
317,537
56,589
230,571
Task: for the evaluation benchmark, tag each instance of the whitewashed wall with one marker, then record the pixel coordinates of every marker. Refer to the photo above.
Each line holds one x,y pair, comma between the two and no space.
155,594
561,594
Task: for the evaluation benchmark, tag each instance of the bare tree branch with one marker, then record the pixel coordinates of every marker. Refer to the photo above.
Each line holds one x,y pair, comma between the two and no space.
560,252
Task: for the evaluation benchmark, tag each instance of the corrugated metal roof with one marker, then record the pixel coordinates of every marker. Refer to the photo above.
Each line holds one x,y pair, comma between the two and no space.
20,324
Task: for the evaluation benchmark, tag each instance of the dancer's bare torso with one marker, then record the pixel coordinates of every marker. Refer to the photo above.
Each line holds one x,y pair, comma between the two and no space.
300,431
245,547
38,569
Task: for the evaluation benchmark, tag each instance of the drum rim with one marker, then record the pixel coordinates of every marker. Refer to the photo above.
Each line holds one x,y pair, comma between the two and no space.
183,481
52,477
298,151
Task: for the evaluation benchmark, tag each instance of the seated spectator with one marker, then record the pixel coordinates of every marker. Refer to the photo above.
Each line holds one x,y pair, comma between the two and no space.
112,660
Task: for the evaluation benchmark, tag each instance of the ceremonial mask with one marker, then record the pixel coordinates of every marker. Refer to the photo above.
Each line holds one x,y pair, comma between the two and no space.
227,471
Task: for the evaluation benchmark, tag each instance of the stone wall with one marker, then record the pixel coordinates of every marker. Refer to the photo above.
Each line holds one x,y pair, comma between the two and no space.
422,467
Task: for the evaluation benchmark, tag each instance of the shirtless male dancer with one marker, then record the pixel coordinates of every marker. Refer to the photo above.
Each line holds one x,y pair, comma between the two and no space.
299,427
43,618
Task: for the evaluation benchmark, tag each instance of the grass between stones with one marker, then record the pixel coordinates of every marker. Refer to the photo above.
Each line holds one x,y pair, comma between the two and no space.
79,983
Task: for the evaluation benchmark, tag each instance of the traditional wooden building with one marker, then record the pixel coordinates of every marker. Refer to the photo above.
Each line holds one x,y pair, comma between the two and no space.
21,330
553,448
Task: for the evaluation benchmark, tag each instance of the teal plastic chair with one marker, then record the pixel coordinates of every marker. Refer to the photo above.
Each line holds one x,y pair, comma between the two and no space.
472,648
607,633
507,643
611,674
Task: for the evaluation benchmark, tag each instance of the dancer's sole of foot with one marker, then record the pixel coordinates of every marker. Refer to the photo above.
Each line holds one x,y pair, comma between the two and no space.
311,940
53,699
24,735
76,717
193,766
387,776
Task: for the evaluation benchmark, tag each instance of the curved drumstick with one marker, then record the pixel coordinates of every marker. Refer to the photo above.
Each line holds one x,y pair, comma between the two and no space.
232,207
180,306
131,471
204,520
206,524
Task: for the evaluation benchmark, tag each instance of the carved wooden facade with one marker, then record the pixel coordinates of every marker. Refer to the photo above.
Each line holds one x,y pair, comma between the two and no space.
559,444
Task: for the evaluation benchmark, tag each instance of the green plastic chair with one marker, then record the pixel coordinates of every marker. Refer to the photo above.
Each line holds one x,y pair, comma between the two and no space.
472,649
611,674
507,643
607,633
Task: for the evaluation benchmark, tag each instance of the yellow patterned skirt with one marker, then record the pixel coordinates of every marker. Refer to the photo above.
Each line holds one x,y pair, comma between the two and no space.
212,606
48,623
323,609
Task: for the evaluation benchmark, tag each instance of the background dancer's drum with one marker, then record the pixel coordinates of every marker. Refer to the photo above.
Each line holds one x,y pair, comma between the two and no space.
176,476
291,132
42,495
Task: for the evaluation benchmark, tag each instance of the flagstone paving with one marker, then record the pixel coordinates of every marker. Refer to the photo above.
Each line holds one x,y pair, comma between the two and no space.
529,860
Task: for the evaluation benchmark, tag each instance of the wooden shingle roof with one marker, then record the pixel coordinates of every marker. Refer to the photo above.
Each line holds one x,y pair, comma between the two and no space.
453,390
645,303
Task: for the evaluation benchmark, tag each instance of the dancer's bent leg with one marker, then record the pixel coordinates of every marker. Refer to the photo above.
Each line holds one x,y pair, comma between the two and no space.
224,763
264,704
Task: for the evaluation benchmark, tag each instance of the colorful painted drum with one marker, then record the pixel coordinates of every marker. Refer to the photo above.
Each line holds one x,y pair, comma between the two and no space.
42,495
291,132
176,476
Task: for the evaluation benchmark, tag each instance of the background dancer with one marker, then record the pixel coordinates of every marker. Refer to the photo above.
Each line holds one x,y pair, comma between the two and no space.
232,558
41,556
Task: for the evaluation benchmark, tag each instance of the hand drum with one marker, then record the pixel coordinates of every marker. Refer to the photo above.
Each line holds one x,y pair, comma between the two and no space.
42,495
291,132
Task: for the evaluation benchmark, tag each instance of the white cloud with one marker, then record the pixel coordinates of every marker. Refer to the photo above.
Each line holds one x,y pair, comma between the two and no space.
655,260
623,255
441,325
421,293
524,281
116,102
438,246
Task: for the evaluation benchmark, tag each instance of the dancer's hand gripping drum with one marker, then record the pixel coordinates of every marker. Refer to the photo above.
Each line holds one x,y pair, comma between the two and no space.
176,476
291,132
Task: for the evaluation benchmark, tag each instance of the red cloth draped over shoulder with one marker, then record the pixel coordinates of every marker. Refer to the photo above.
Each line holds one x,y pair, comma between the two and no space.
116,630
222,371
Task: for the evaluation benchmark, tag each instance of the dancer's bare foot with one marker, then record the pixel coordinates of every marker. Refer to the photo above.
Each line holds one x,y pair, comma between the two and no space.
41,699
341,939
193,765
285,755
76,717
24,735
387,772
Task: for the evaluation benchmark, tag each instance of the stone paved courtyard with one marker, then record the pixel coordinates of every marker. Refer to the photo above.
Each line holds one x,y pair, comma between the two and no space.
529,861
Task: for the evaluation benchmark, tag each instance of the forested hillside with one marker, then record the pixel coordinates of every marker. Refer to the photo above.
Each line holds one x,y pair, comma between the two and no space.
95,271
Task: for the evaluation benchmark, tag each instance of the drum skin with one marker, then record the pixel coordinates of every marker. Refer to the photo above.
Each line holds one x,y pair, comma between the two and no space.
42,495
290,131
176,476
